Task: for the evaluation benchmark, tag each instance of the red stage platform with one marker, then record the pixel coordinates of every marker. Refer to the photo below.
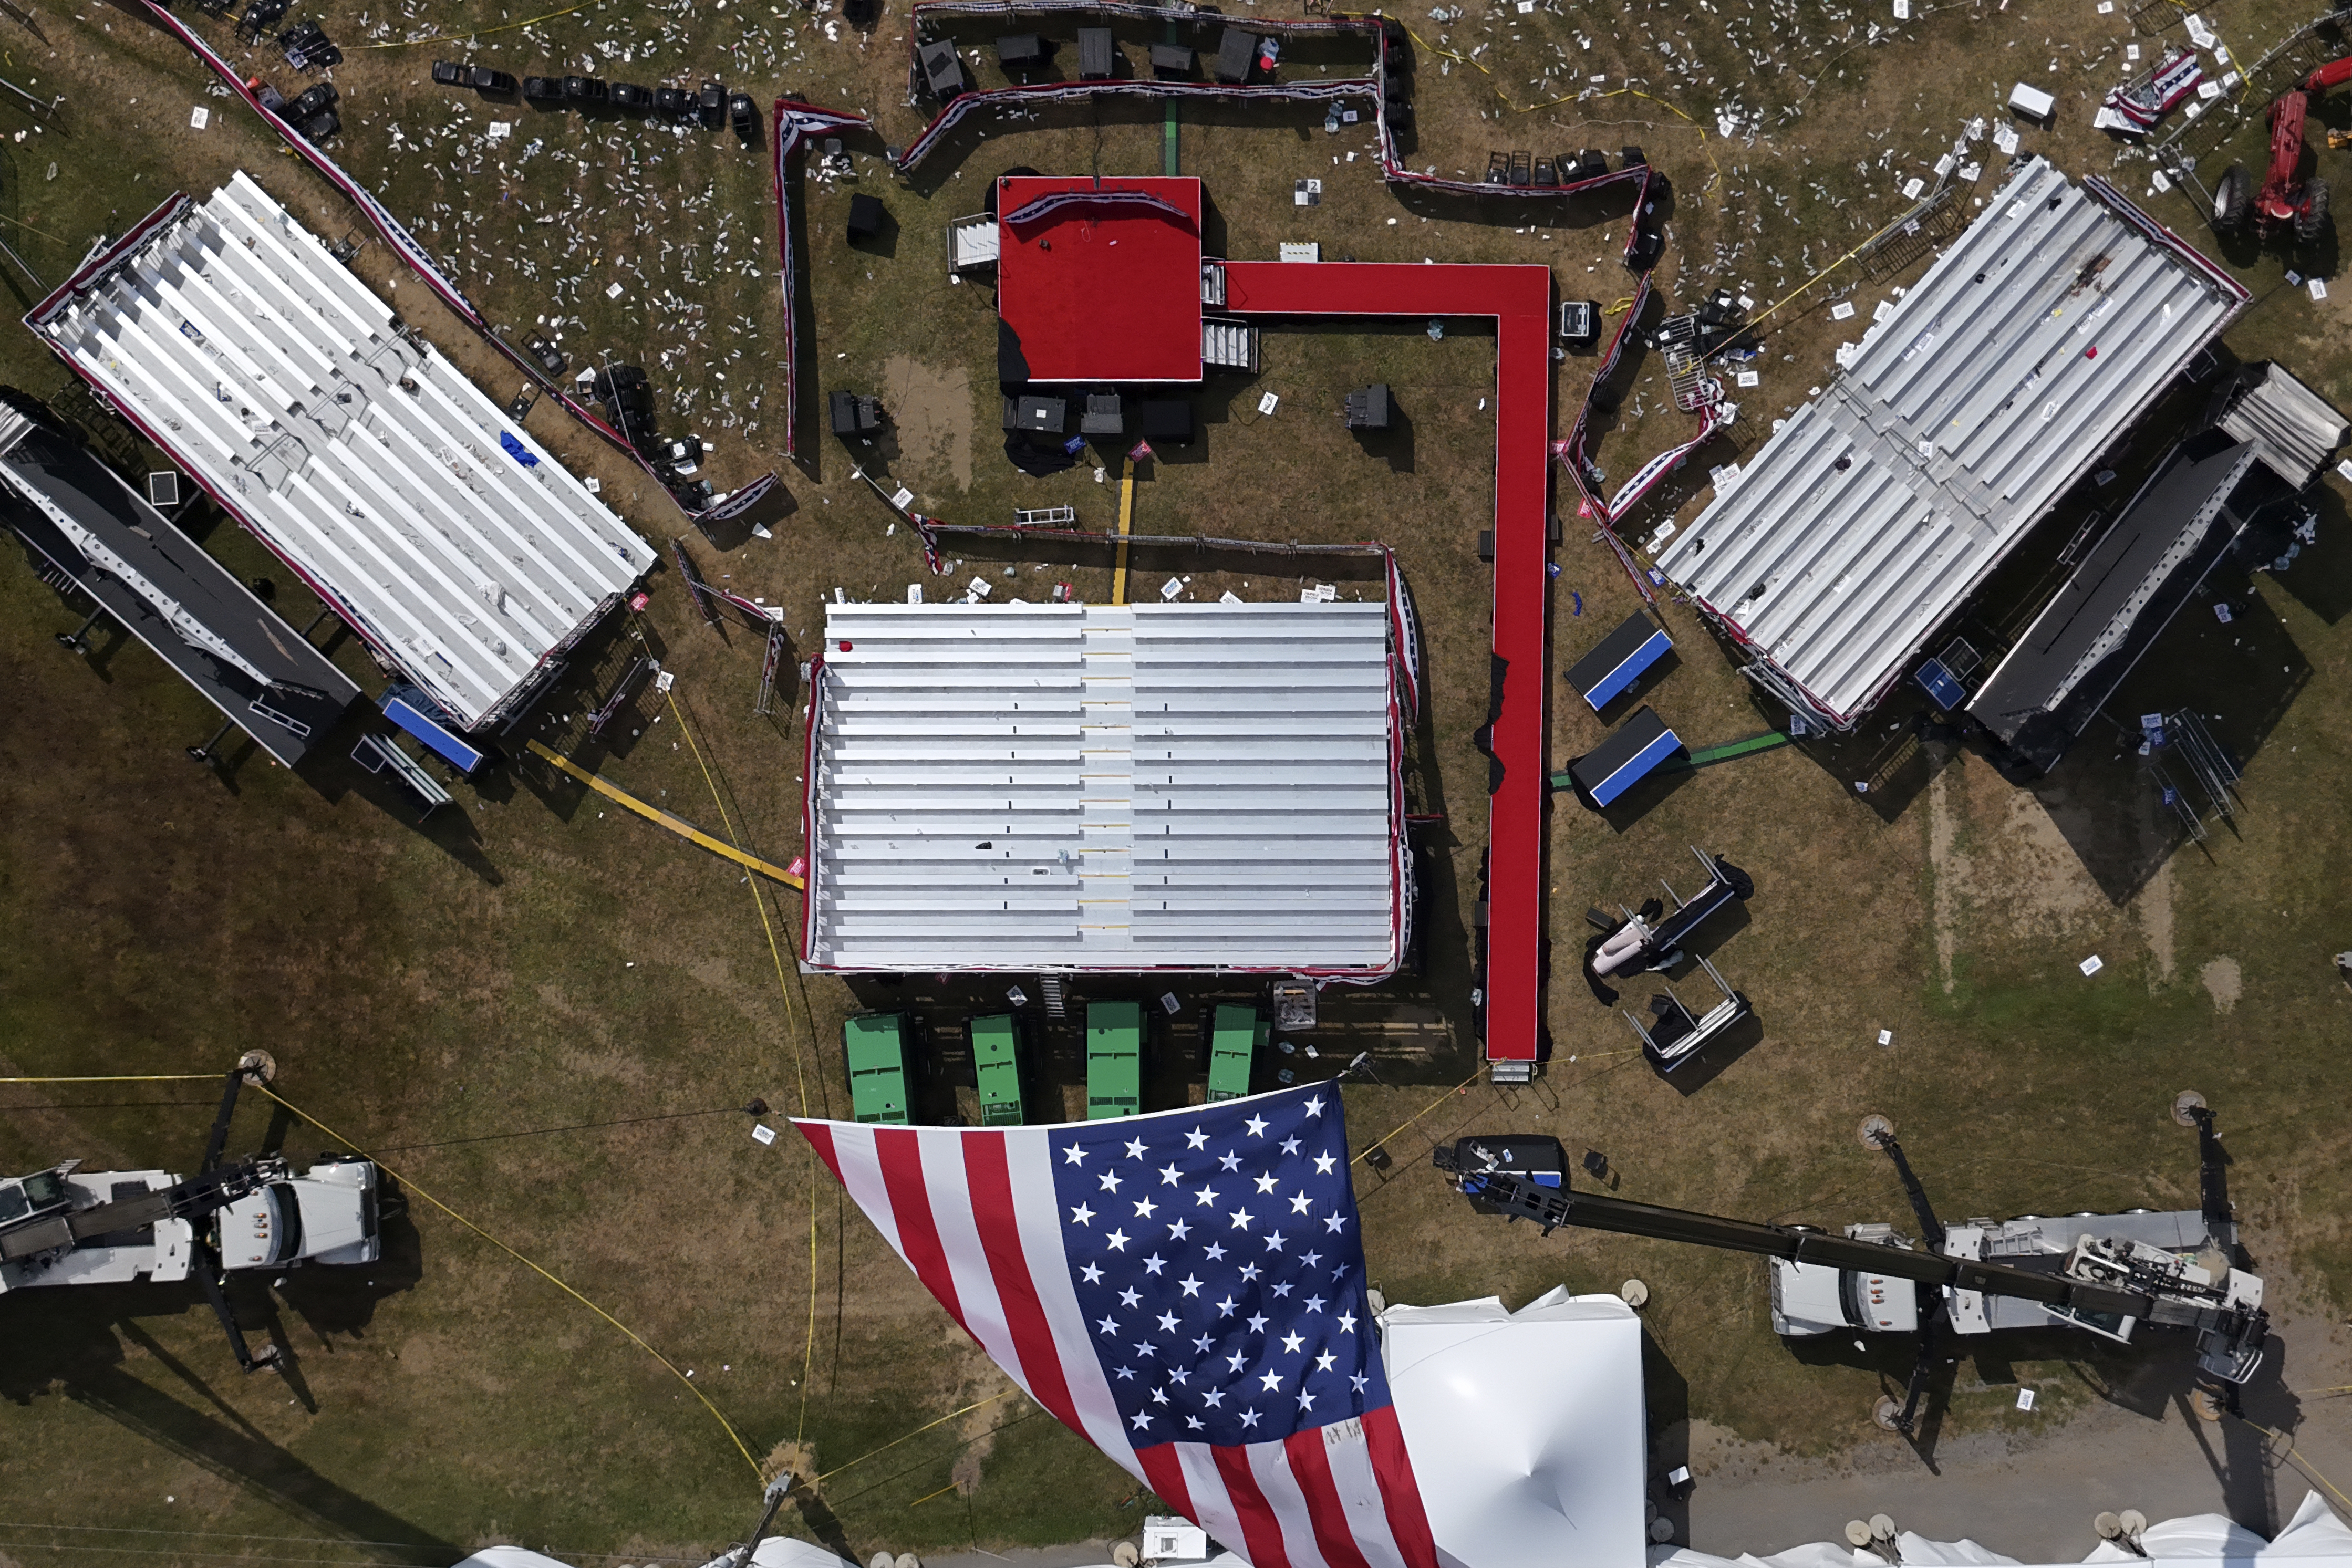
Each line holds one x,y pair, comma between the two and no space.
1518,300
1100,279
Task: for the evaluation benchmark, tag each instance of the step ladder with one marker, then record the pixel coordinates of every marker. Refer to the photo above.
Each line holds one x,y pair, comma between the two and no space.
1049,987
1511,1072
765,702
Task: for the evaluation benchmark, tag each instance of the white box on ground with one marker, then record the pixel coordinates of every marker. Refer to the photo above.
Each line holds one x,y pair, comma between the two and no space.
761,1133
2031,103
2025,1399
1168,1539
2093,965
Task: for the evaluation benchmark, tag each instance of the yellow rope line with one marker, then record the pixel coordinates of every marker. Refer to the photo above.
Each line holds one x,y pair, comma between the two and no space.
1425,1111
916,1433
1126,521
1578,96
654,814
478,31
410,1184
2299,1461
800,1069
124,1078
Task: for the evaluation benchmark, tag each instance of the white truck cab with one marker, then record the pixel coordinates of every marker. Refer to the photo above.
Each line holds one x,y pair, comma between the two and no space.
1810,1299
326,1215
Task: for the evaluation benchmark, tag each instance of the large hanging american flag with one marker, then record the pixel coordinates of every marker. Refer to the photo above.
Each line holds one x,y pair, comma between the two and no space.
1185,1290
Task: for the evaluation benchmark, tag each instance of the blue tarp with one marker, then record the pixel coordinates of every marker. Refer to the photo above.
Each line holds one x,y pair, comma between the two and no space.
421,716
521,454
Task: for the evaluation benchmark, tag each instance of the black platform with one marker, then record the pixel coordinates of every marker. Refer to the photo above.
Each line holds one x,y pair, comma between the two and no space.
1615,766
2122,595
285,719
1619,660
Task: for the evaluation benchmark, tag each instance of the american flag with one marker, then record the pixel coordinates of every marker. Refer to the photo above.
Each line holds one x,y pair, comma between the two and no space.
1185,1290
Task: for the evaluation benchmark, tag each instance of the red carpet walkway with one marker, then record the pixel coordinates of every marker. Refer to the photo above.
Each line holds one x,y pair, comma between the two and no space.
1518,300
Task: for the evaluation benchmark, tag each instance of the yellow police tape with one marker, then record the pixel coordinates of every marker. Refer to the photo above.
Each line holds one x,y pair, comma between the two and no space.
677,825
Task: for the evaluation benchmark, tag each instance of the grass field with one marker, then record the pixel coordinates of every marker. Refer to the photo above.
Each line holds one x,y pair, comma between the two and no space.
546,1015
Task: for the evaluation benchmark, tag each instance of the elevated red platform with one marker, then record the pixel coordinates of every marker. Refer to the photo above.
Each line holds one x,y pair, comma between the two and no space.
1105,289
1518,300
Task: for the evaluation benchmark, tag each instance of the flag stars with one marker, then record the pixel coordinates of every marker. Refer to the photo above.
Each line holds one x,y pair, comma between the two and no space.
1091,1275
1249,1418
1169,1176
1073,1156
1154,1264
1144,1208
1135,1149
1229,1161
1292,1344
1146,1348
1215,1252
1205,1197
1179,1376
1108,1325
1257,1323
1142,1419
1188,1285
1325,1362
1300,1203
1201,1344
1225,1308
1167,1321
1235,1359
1160,1396
1241,1218
1194,1424
1281,1289
1334,1222
1274,1242
1265,1184
1326,1164
1314,1304
1196,1139
1305,1400
1290,1146
1179,1230
1347,1322
1129,1299
1126,1374
1082,1215
1357,1380
1110,1181
1315,1106
1270,1382
1250,1271
1213,1398
1115,1240
1310,1260
1257,1126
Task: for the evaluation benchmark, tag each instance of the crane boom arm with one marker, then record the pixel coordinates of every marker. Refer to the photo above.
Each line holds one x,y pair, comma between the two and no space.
1550,1207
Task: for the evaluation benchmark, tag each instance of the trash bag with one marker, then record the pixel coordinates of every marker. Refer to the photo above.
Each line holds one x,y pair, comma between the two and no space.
1037,462
1742,885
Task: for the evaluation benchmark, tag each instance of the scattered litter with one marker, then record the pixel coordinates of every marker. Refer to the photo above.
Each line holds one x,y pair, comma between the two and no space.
1843,310
1168,1001
762,1133
1750,378
2221,613
2093,965
2025,1395
199,117
613,292
1172,588
981,587
1887,1037
1266,401
1017,996
2319,286
1229,597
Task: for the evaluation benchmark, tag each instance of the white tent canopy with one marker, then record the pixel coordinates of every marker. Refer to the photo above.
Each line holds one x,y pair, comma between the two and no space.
1526,1429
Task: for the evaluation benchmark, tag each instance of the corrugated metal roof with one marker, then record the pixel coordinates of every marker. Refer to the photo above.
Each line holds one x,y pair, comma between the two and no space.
1096,787
2030,344
358,452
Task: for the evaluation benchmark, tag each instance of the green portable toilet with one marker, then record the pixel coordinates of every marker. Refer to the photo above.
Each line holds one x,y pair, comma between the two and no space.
1114,1059
875,1045
996,1063
1236,1037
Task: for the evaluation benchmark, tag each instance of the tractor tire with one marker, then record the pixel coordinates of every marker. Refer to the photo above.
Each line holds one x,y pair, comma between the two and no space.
2233,200
2311,217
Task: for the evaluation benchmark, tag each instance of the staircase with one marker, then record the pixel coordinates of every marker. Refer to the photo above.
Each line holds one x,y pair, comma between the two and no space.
1050,988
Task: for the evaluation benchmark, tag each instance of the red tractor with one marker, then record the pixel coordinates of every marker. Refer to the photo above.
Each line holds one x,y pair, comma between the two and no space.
2287,202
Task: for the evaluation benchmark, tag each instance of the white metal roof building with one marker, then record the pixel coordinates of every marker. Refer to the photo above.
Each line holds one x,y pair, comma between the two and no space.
1987,390
453,542
1062,787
